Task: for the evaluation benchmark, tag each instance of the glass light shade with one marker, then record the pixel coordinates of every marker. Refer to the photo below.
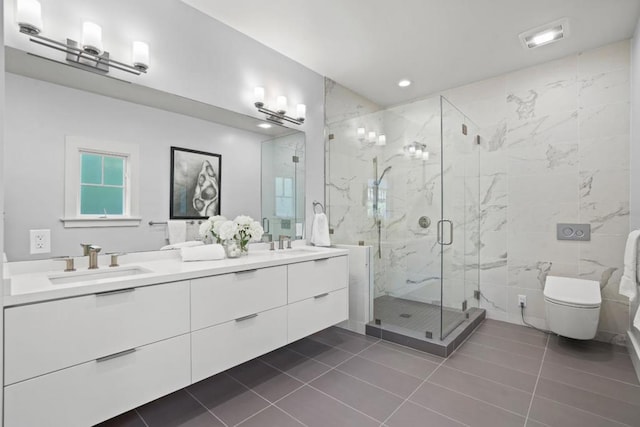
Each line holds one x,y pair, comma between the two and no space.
281,104
301,111
140,55
92,38
412,149
361,133
258,95
425,155
372,136
418,152
382,140
29,16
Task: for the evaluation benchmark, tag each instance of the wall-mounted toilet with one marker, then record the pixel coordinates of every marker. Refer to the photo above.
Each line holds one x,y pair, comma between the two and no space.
572,306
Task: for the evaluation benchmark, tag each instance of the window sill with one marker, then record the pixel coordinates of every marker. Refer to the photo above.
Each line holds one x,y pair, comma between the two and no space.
101,222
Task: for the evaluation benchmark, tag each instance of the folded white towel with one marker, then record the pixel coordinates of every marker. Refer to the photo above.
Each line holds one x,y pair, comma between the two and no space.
177,231
629,281
202,253
187,244
320,230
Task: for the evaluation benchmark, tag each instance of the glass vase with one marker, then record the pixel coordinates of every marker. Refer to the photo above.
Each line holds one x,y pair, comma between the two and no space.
232,248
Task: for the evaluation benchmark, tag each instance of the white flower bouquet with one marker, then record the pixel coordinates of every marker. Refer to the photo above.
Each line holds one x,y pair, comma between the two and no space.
235,234
212,226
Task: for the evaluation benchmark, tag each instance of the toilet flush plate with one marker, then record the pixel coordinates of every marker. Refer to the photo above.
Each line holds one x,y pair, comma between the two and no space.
581,232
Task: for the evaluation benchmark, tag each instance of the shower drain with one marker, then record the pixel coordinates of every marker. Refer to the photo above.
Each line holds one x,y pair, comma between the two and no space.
405,315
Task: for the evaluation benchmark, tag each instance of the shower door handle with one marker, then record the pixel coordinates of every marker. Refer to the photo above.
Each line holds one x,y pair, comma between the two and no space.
265,224
441,232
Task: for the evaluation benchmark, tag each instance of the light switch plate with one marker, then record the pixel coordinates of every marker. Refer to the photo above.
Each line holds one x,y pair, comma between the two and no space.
580,232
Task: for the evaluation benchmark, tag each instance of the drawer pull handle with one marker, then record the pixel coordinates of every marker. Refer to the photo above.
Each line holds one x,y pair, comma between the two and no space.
115,355
243,318
322,295
321,259
118,291
253,270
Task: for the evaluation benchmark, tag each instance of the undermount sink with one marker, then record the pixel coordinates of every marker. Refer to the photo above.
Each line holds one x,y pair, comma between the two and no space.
89,275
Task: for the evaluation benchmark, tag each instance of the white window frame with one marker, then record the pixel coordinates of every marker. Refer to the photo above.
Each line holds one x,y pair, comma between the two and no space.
74,146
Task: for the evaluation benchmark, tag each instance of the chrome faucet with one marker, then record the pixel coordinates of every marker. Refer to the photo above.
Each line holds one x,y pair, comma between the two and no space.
92,251
281,240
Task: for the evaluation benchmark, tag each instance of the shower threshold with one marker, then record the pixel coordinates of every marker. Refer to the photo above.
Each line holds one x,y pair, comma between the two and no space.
398,321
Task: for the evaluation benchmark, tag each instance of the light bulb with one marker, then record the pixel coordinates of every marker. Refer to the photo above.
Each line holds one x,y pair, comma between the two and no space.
412,149
372,136
301,111
258,96
425,155
281,104
140,55
545,37
92,38
418,152
29,16
382,140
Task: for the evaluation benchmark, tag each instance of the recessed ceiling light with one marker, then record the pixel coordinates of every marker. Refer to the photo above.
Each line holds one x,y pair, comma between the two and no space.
545,34
264,125
404,83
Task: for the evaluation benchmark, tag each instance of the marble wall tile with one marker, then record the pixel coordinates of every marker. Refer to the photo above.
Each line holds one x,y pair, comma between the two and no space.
559,70
603,59
604,120
535,310
602,260
604,201
593,152
494,300
604,88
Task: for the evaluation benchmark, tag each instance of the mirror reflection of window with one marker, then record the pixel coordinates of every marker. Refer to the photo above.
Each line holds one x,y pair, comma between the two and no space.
284,197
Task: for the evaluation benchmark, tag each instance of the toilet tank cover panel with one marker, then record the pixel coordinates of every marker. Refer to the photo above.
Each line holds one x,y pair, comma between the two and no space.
572,291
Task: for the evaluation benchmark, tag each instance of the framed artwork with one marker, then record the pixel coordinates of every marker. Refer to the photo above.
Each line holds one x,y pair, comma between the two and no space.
195,184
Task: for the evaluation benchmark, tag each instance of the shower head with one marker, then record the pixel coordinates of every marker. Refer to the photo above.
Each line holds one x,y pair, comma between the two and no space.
383,172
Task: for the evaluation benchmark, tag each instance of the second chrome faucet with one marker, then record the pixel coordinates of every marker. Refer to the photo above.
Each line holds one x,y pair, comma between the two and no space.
92,251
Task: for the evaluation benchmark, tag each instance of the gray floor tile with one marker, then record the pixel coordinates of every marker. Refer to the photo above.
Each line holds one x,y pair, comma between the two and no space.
532,423
412,415
611,388
128,419
359,395
316,409
464,409
558,415
500,357
265,380
516,335
492,371
295,364
513,327
401,361
588,401
497,394
178,409
417,353
271,417
595,359
382,376
227,399
319,351
343,339
532,351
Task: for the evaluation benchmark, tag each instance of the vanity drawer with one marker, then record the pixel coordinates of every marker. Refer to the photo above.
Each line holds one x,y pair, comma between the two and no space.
219,299
44,337
317,313
95,391
221,347
307,279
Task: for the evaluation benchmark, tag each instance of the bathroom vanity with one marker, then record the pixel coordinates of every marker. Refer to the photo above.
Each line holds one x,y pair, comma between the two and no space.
82,350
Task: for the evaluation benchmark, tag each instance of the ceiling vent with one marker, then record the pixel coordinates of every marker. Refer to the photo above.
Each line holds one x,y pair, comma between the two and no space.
545,34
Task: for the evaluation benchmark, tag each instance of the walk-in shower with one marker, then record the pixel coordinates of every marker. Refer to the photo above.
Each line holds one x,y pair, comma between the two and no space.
420,215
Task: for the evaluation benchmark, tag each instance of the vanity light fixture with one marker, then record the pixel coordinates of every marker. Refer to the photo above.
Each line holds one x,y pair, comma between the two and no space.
89,54
417,151
279,115
545,34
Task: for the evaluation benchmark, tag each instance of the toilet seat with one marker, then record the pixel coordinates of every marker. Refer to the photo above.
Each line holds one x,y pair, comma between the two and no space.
573,292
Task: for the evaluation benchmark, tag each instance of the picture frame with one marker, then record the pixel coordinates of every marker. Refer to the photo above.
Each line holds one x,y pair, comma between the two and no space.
195,184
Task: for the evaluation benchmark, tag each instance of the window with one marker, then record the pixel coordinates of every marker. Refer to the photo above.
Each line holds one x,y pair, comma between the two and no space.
100,184
284,197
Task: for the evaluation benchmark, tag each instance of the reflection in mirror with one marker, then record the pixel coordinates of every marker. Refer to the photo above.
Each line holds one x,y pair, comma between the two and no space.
283,173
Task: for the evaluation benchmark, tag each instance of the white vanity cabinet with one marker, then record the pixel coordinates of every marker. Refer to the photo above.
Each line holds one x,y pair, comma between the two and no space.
80,360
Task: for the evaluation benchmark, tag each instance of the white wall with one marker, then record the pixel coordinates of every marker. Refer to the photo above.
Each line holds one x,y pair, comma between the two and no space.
41,114
194,56
635,130
2,109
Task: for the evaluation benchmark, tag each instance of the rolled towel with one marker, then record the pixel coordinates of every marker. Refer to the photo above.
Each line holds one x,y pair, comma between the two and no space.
629,281
320,230
188,244
177,231
202,253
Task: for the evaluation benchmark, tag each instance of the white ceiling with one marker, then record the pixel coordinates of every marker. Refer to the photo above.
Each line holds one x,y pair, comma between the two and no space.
368,45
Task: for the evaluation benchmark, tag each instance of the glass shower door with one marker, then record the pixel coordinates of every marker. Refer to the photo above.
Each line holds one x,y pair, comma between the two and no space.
458,232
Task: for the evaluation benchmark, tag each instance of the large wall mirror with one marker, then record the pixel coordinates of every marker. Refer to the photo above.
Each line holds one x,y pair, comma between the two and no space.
283,181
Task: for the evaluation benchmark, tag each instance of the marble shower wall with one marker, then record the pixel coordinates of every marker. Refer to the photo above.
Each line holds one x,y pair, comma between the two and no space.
555,148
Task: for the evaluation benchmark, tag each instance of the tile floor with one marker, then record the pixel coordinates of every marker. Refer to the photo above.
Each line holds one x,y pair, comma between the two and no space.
503,375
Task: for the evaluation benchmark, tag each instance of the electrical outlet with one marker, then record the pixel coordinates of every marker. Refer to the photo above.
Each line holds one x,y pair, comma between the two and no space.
522,300
40,241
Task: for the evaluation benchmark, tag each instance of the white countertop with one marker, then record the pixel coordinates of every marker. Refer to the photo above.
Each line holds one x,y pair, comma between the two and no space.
29,281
